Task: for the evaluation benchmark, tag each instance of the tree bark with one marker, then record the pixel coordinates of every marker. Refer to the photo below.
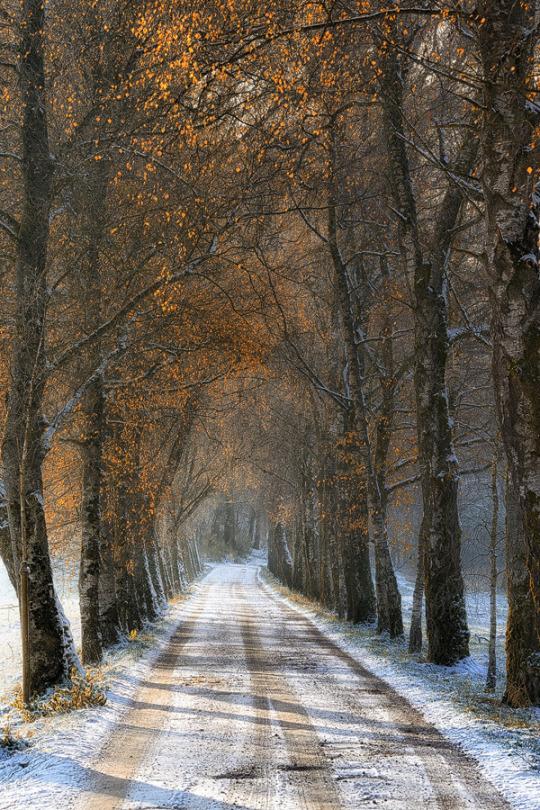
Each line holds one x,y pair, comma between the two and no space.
353,526
513,258
446,619
415,632
388,596
522,680
491,677
109,620
89,573
51,651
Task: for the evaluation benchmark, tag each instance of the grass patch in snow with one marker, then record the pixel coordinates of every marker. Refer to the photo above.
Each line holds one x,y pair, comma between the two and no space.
82,692
11,742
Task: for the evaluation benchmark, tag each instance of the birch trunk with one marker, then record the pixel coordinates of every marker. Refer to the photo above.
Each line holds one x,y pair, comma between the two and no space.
415,632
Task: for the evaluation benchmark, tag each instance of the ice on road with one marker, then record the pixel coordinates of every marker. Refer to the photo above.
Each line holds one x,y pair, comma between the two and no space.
251,706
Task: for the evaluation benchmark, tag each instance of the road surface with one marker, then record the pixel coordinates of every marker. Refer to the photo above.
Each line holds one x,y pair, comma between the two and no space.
251,706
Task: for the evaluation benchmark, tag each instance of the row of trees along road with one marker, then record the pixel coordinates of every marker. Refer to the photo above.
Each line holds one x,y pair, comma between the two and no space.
296,241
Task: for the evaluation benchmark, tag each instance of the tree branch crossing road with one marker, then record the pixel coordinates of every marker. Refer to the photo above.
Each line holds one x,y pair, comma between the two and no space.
251,706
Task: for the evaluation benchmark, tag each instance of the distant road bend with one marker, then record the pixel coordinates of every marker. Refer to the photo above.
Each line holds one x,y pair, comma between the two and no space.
251,706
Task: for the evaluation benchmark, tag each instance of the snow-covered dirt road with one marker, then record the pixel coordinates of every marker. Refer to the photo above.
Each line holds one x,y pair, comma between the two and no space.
251,706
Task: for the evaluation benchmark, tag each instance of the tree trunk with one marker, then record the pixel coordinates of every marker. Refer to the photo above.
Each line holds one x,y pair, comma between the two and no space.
353,529
109,620
92,204
6,550
256,537
164,568
51,653
512,224
229,528
281,557
89,573
491,677
389,617
154,564
446,617
174,567
522,680
388,596
415,632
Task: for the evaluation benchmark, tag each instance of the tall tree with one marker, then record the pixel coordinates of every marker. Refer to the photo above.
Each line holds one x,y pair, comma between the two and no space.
507,37
49,652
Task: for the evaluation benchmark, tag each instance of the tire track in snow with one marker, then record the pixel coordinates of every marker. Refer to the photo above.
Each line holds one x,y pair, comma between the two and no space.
251,706
454,778
307,773
139,728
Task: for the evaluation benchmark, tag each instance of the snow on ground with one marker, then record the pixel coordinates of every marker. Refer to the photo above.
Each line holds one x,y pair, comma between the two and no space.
10,635
248,707
474,668
51,772
504,742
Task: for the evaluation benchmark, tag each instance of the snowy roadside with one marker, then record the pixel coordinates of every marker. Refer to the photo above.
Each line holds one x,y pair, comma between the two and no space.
62,748
508,755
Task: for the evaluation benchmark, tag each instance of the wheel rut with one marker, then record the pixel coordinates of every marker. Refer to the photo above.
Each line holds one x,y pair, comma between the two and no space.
251,706
455,780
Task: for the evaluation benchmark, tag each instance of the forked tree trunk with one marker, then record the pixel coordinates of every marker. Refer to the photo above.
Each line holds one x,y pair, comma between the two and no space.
446,618
388,596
